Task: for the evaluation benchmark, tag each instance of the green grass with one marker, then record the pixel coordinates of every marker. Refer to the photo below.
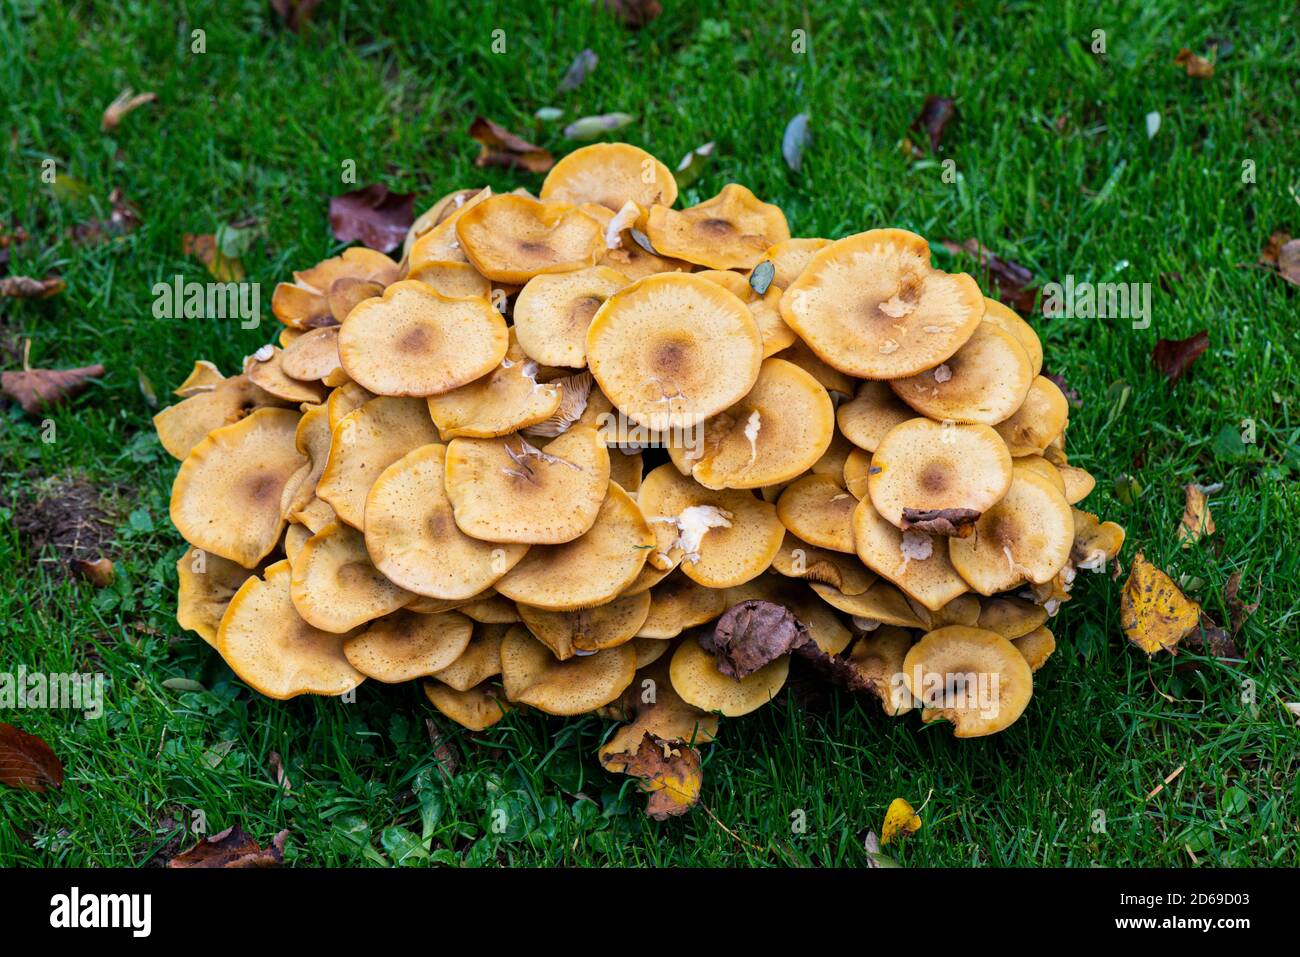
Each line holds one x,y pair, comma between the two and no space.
1057,173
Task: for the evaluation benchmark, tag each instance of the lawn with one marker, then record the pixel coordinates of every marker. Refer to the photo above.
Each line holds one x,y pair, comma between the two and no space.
1055,169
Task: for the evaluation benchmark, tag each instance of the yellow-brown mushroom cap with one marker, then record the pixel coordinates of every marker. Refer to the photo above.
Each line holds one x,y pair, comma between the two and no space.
871,305
1095,542
678,603
312,356
319,294
406,645
975,679
437,214
184,425
730,231
1039,420
878,658
985,380
585,630
206,585
882,602
513,238
455,280
609,175
765,308
791,257
1009,321
480,660
202,378
273,650
475,708
533,676
872,412
1010,616
1078,483
335,587
915,561
226,497
697,680
843,572
672,349
832,380
817,509
441,244
857,472
507,399
415,341
312,438
553,311
1036,646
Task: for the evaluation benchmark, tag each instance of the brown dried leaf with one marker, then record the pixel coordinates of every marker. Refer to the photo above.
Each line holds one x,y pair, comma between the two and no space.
1154,613
448,763
122,218
232,848
505,149
670,772
372,216
1211,640
936,113
1196,66
27,762
1197,520
205,249
1288,262
1174,356
1010,280
634,13
1238,610
38,389
752,634
835,669
578,71
98,571
294,14
952,522
25,287
125,103
1268,256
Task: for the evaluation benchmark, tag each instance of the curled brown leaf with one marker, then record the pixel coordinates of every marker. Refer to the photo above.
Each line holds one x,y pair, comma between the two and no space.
951,522
38,389
27,762
752,634
372,216
1173,357
232,848
126,102
25,287
936,113
502,148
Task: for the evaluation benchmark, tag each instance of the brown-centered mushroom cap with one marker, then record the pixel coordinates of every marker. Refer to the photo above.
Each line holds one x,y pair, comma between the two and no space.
207,583
818,510
475,708
975,679
480,660
533,676
871,305
441,244
226,497
697,680
1040,419
915,561
335,587
505,400
678,603
585,630
985,380
406,645
184,425
312,356
273,650
730,231
843,572
553,311
1036,646
610,175
513,238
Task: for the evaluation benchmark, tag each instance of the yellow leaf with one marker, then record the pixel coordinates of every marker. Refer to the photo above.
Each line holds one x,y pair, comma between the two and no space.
1197,520
1154,614
205,249
900,821
670,773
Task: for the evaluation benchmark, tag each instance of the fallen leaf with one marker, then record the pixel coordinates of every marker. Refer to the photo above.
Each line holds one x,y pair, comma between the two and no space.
1071,396
442,752
125,103
1174,356
900,822
231,848
276,764
1195,66
505,149
1268,256
1010,280
951,522
1238,610
25,287
692,165
1288,262
1154,613
98,571
1197,520
589,127
27,762
294,14
794,140
1211,640
634,13
670,772
936,113
38,389
579,70
875,859
122,218
372,216
1294,708
205,249
752,634
761,276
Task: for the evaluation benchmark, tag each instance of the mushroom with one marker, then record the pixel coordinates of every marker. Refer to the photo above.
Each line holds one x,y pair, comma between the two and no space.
533,676
295,537
505,400
491,609
312,438
986,380
962,610
415,341
273,650
871,414
1036,646
591,569
1078,483
585,630
514,238
553,311
791,257
697,681
406,645
226,497
264,369
318,295
721,538
832,461
975,679
364,443
843,572
437,214
872,306
923,470
1040,418
817,509
882,603
182,426
878,659
206,585
1008,321
312,356
627,470
508,490
346,398
575,400
204,377
915,561
475,708
672,349
455,280
730,231
335,587
665,717
1024,537
1036,463
480,660
610,175
857,472
412,536
1095,542
832,380
1010,616
765,308
678,603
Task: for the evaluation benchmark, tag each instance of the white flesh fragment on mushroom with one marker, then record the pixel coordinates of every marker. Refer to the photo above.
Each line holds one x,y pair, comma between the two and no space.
865,624
622,220
916,546
942,373
751,432
692,524
263,354
896,307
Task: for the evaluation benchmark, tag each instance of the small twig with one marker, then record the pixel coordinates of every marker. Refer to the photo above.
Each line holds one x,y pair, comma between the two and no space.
729,831
1160,787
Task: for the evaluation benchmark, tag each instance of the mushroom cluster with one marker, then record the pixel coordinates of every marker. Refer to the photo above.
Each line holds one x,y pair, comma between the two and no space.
536,460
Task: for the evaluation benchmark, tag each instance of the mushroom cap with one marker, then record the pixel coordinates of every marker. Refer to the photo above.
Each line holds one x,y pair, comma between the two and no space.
553,311
649,650
226,497
491,609
315,515
1078,483
627,470
505,400
962,610
295,537
272,650
872,306
364,443
508,490
313,355
933,665
730,231
182,426
415,341
985,380
453,280
585,630
857,472
766,309
475,708
480,660
791,257
1024,537
441,244
1036,646
312,438
269,375
334,585
832,461
346,398
843,572
575,399
609,175
915,561
776,432
1008,320
648,577
533,676
437,214
882,602
678,603
406,645
832,380
202,378
1036,463
412,536
721,538
1010,616
878,659
300,307
1040,418
666,717
1095,542
206,585
921,464
513,238
871,413
319,294
818,510
590,570
672,349
696,679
